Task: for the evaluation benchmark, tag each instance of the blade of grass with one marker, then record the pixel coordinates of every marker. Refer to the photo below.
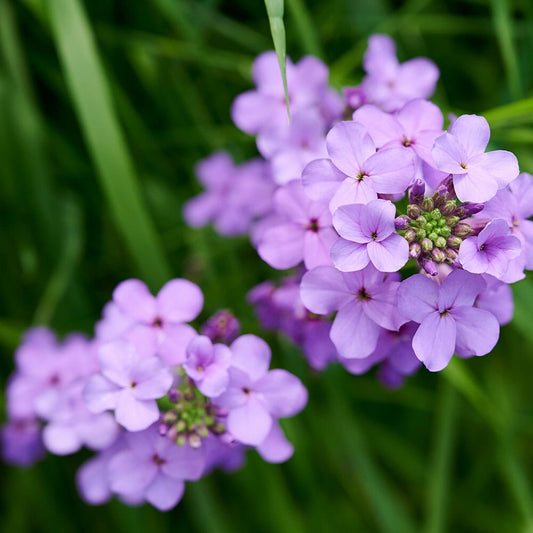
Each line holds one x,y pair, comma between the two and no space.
277,29
305,28
105,140
439,472
503,25
501,116
523,301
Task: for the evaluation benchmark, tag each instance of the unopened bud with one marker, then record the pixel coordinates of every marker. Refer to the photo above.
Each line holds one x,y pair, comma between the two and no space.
410,235
427,245
452,221
462,230
430,267
448,208
417,191
433,236
181,425
440,196
438,255
472,209
402,222
415,250
451,254
413,211
440,242
453,241
181,439
427,204
194,441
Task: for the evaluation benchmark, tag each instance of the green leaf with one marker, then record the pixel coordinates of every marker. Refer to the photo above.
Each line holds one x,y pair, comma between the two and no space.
277,28
105,140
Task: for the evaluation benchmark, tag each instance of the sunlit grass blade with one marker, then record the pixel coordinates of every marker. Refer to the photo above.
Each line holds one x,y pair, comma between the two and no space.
504,30
305,27
277,28
90,94
516,112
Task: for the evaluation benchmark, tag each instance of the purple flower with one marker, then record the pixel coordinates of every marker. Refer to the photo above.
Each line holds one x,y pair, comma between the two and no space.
223,326
207,364
129,384
275,448
265,108
365,301
256,397
477,175
155,324
390,84
303,231
356,173
497,298
152,468
368,235
514,204
490,251
415,126
21,442
448,321
235,195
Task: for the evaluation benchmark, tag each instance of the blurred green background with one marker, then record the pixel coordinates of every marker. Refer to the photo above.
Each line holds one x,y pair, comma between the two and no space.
105,106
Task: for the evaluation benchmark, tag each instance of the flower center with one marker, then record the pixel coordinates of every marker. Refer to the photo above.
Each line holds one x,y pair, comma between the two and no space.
157,323
363,295
361,176
313,225
158,460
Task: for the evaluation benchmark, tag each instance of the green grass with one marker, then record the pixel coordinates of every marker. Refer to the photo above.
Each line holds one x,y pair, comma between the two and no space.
104,109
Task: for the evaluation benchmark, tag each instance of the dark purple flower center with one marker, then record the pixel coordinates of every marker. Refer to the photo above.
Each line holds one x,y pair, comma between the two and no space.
363,295
313,225
133,384
157,323
54,380
158,460
407,142
482,247
361,176
246,390
374,236
445,312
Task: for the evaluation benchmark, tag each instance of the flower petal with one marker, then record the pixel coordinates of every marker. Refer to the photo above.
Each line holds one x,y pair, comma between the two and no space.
133,414
250,423
477,330
349,256
323,290
179,300
164,492
283,393
418,297
252,355
390,254
434,341
135,300
472,132
275,448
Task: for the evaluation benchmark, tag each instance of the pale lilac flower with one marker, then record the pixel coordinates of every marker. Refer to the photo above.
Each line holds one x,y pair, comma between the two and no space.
207,364
448,321
366,302
129,384
477,175
514,204
155,324
415,126
390,84
303,231
256,397
275,448
491,251
265,108
152,468
356,173
234,196
368,235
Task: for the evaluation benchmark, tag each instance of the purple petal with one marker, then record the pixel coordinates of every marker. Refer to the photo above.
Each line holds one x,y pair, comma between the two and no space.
164,492
117,359
317,246
377,217
477,330
501,165
349,145
419,115
135,300
382,127
174,344
201,210
382,307
417,78
323,290
460,288
251,111
250,423
133,414
475,186
153,379
183,462
349,256
353,333
275,448
418,297
252,355
321,179
472,132
61,439
214,383
353,191
128,475
448,154
92,481
282,246
391,170
434,341
471,258
389,255
100,394
347,221
179,300
283,393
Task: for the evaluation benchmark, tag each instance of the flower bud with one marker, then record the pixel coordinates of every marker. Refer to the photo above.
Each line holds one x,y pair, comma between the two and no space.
427,204
462,230
417,191
438,255
452,221
413,211
440,196
453,241
440,242
402,222
472,209
451,254
430,267
427,245
410,235
448,208
414,250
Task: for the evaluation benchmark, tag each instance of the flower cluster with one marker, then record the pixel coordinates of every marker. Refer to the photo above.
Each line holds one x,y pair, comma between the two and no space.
159,402
405,235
